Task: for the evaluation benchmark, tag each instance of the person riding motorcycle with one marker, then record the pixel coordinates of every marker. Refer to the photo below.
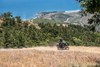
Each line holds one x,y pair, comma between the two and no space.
62,43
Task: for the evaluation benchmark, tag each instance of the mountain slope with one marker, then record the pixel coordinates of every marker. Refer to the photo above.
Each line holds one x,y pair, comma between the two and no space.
73,17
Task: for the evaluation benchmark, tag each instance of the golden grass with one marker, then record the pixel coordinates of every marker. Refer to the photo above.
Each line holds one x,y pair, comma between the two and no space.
33,57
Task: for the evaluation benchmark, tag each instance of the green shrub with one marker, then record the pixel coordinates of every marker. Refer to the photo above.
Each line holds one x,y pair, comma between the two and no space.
18,35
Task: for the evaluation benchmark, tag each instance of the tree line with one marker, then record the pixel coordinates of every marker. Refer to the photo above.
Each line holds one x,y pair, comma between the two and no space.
16,34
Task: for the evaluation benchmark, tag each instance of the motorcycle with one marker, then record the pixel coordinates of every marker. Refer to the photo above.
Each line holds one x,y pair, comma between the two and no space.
62,47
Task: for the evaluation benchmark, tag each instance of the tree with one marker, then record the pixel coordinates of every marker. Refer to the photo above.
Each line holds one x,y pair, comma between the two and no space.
92,7
18,19
8,19
94,21
6,36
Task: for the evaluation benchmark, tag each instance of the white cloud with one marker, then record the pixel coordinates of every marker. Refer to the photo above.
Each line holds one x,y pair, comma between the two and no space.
71,11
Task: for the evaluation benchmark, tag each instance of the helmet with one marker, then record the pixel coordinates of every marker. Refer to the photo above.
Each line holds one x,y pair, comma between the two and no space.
60,40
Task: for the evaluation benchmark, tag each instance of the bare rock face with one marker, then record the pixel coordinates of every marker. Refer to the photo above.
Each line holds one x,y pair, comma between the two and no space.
70,17
98,28
73,17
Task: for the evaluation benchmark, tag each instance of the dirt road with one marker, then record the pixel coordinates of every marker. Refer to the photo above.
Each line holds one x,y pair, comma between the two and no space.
54,48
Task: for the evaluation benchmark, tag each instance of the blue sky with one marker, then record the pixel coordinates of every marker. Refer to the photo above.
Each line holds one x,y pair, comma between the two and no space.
28,8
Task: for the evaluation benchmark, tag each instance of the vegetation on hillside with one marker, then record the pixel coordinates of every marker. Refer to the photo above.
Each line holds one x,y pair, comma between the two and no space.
15,34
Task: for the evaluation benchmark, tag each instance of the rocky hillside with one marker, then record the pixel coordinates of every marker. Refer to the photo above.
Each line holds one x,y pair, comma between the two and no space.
73,17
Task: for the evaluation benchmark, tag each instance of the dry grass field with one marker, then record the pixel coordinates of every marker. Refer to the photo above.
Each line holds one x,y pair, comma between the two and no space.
50,57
